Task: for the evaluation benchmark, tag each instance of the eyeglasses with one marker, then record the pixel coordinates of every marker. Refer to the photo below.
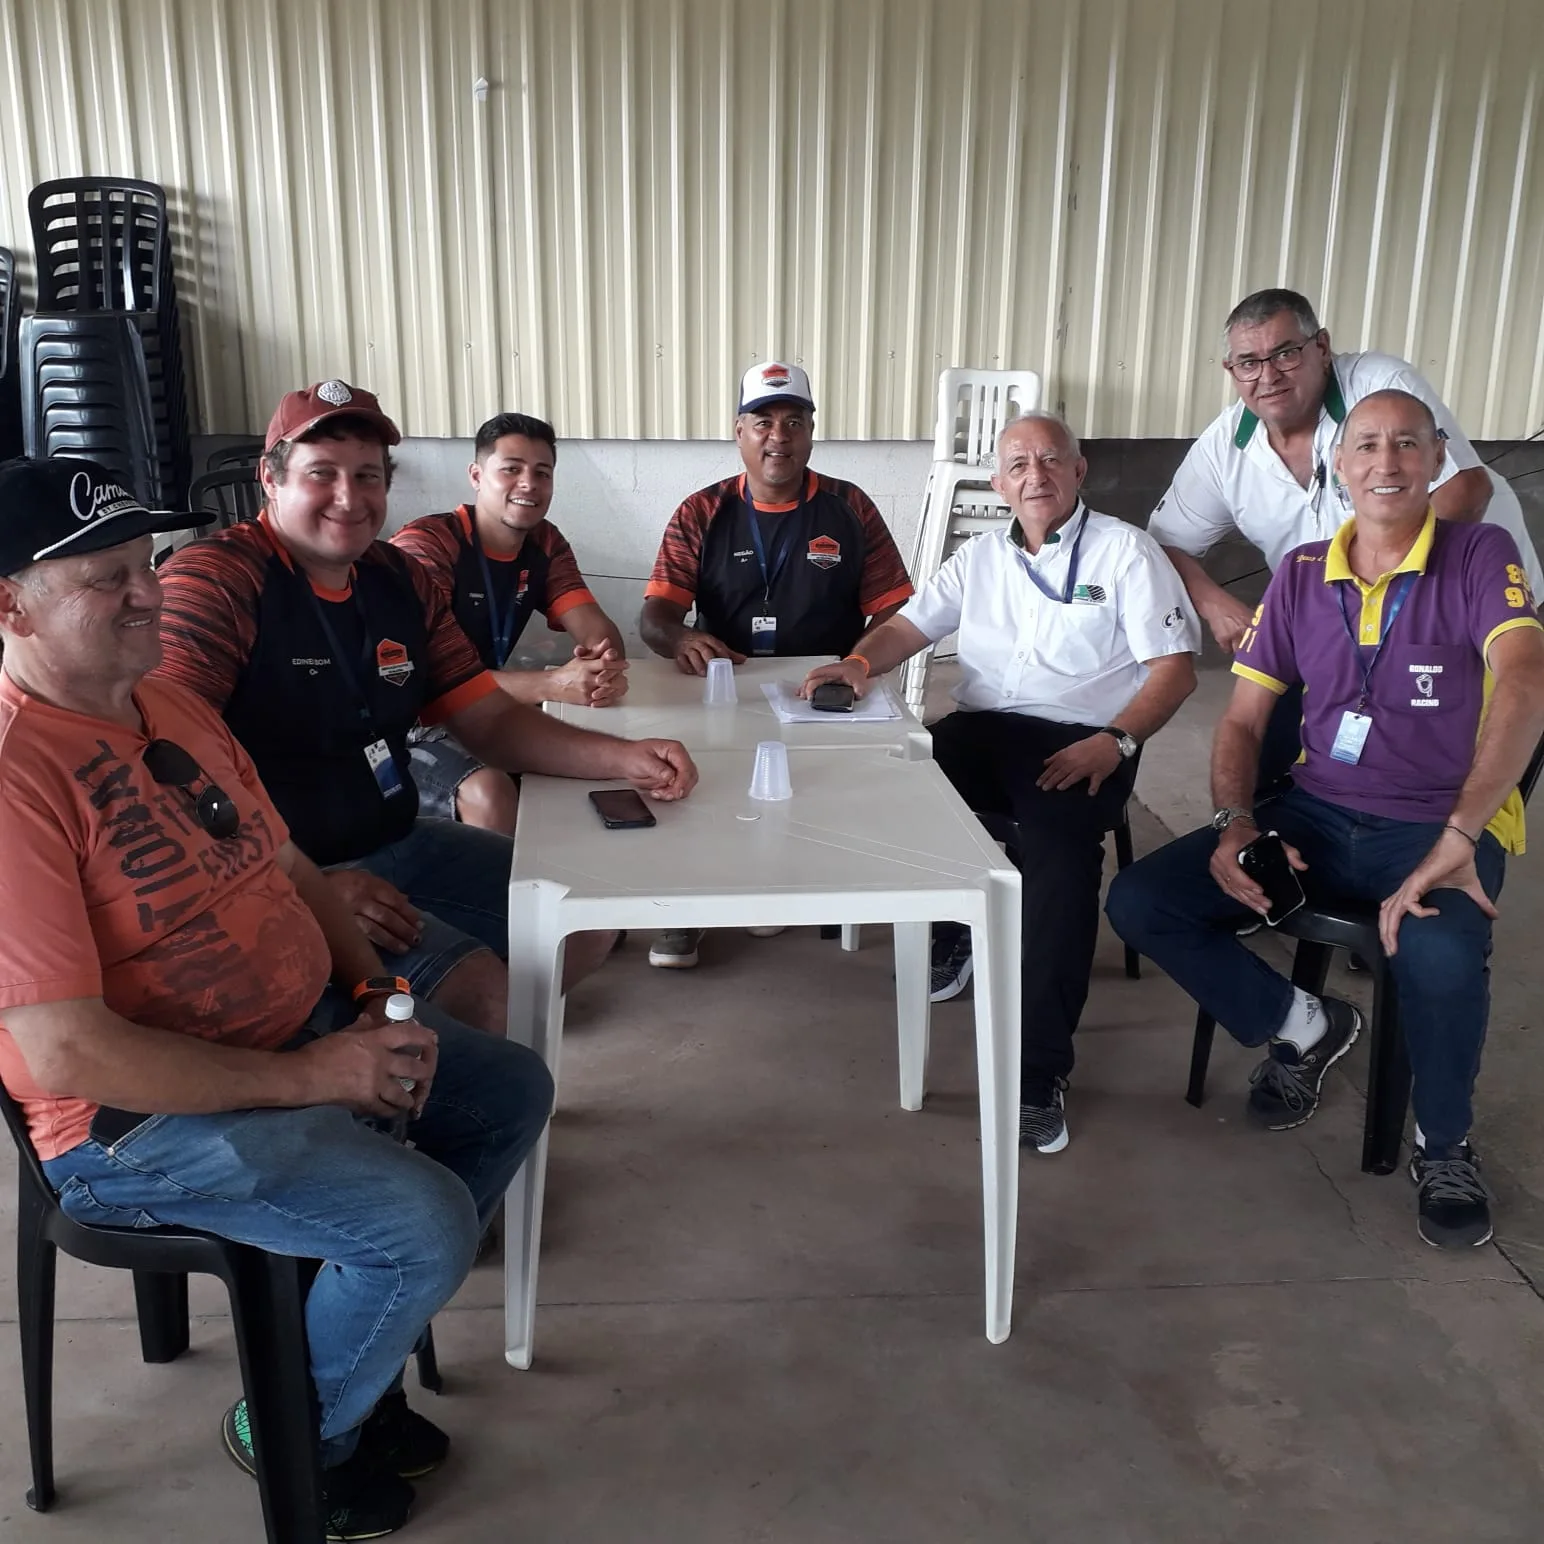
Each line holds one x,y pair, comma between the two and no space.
1286,359
168,763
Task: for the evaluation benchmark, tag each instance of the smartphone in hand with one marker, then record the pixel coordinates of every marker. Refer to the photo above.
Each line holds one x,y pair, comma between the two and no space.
621,809
833,697
1265,861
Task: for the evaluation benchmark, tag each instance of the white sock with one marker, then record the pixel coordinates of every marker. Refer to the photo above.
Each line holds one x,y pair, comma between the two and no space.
1420,1137
1304,1024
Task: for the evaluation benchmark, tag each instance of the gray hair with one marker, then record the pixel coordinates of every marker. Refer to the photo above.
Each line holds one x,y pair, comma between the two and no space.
1261,306
1041,415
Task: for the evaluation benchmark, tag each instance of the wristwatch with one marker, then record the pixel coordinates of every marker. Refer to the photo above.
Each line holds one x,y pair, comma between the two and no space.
1127,743
1224,818
373,984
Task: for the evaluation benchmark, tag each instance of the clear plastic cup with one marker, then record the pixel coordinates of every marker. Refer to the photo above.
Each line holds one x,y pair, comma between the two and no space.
719,690
769,777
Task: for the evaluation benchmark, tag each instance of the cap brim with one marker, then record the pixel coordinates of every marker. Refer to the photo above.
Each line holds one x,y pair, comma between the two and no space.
391,433
775,397
118,529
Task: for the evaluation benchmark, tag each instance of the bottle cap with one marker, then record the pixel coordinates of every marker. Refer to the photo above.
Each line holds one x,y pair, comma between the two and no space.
399,1006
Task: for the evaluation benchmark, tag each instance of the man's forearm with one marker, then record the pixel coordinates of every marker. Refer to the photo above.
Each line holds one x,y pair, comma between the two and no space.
662,626
1514,724
92,1053
1235,765
1170,680
879,618
1464,497
517,738
530,687
889,644
353,955
1203,590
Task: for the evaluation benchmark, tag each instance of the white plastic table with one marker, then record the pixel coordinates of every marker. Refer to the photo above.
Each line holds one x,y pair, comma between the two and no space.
867,837
663,703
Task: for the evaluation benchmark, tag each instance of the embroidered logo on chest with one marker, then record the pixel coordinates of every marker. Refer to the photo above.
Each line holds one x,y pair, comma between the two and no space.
1090,594
824,552
392,663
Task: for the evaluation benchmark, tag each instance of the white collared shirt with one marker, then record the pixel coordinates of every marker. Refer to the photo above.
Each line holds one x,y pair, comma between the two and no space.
1231,479
1073,663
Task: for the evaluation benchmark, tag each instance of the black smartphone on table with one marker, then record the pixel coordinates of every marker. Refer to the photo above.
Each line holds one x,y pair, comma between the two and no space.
1265,861
833,697
622,809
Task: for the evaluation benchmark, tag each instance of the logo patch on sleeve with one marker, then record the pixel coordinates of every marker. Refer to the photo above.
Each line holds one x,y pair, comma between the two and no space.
392,662
824,552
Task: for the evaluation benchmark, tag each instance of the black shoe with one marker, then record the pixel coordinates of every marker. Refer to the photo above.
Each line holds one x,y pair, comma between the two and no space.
1453,1207
1043,1117
951,968
409,1444
1287,1083
363,1499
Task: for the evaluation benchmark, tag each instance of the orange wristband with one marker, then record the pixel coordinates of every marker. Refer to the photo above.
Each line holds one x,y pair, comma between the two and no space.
868,669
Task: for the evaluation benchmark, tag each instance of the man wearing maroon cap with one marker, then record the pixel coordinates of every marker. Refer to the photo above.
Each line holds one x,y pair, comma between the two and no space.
779,560
322,647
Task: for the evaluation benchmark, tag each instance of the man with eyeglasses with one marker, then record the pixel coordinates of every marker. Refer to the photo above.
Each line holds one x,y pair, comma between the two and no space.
191,1021
1266,467
1076,646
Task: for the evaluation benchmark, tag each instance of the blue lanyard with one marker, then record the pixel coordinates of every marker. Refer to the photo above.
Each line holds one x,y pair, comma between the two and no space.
1392,607
366,648
502,628
788,536
1072,568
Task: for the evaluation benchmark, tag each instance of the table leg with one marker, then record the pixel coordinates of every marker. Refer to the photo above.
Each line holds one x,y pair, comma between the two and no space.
996,947
851,933
536,1020
912,1008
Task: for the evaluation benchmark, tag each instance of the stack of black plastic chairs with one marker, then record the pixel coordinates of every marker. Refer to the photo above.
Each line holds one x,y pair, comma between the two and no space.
10,371
101,358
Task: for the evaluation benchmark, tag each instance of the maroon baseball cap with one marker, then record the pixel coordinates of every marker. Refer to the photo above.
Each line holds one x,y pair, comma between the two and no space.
299,412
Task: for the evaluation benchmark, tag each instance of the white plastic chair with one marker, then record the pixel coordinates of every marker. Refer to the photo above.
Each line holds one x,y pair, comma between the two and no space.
973,408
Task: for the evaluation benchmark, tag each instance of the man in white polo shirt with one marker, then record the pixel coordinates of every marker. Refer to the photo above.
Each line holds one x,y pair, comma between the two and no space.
1266,468
1075,646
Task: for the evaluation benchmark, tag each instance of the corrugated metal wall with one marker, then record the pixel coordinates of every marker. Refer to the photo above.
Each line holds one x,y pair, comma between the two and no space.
653,193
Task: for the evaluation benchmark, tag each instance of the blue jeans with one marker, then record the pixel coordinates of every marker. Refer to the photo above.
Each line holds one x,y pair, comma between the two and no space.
1169,907
395,1227
458,877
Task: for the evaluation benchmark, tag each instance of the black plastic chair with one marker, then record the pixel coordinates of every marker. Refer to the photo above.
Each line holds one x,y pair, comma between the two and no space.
10,373
240,453
1351,925
267,1296
228,497
85,393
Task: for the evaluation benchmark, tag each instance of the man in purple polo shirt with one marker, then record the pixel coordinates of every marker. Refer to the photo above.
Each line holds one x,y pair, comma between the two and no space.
1406,793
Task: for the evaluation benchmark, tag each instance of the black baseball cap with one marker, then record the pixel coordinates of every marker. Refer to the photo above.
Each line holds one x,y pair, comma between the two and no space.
66,506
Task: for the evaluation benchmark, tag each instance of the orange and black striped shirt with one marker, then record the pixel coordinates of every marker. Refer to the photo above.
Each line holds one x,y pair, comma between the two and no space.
828,562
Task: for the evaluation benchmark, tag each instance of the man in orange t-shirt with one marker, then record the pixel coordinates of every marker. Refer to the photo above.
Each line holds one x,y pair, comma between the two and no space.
191,1020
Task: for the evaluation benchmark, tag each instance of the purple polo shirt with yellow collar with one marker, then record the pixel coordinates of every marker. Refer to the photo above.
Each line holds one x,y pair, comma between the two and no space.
1462,587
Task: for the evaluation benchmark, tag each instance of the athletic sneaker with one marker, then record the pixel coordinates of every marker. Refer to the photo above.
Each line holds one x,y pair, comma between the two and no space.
676,950
409,1444
361,1498
765,932
1043,1117
951,967
1286,1085
1453,1205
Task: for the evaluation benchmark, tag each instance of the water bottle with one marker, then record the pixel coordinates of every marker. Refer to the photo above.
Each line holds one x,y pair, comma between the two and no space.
400,1007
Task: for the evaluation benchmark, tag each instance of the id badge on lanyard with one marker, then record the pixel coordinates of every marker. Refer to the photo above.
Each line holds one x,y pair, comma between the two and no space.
378,757
764,627
1356,723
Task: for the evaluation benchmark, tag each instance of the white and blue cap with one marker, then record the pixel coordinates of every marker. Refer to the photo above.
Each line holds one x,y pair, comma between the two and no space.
762,385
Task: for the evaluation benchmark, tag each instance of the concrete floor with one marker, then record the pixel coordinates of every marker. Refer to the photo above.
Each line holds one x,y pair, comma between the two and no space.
761,1296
